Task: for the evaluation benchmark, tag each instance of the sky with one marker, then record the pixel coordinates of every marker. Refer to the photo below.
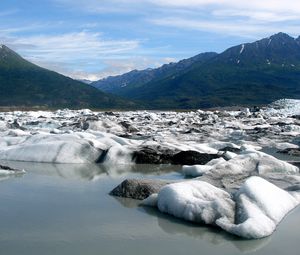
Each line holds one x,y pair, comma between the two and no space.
93,39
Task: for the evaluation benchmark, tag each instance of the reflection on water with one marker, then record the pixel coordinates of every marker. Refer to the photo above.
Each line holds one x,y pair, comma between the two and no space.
175,226
65,209
92,172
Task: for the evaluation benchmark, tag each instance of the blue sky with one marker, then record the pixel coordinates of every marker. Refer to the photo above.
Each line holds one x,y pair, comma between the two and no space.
95,38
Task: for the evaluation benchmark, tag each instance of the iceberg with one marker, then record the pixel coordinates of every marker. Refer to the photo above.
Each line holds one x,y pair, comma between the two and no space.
252,213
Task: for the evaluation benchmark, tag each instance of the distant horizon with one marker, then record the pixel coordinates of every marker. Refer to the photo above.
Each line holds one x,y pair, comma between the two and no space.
94,39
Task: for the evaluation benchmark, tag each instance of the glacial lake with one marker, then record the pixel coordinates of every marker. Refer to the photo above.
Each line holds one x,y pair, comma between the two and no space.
66,209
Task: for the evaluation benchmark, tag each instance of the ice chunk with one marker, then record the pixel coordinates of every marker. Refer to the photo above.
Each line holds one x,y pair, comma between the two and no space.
249,161
254,212
195,170
52,149
260,207
194,201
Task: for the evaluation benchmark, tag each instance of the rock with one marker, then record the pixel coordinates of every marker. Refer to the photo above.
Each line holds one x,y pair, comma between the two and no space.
147,155
128,127
231,149
193,158
162,155
138,189
297,117
7,168
291,151
295,163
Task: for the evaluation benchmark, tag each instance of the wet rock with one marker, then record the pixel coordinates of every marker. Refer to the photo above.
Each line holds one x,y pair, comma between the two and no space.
193,158
12,170
7,168
138,189
153,156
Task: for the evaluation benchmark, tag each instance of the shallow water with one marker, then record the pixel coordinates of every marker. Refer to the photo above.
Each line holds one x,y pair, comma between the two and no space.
66,209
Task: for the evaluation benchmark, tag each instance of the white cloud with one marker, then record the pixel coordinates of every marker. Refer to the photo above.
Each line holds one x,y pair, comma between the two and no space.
234,17
241,28
264,16
120,66
83,55
70,51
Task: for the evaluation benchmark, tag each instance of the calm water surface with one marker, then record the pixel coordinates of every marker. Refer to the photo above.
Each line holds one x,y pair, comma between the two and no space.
66,209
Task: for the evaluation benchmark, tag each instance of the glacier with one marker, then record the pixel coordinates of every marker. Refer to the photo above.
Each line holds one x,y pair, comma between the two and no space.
236,183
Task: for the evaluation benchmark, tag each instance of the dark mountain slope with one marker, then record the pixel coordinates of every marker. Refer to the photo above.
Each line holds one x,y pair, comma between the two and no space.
25,84
135,79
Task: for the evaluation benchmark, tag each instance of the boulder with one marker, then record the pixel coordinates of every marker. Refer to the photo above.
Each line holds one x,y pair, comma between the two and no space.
138,189
147,155
192,158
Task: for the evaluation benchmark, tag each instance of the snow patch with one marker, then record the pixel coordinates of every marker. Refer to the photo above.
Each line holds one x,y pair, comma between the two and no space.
242,48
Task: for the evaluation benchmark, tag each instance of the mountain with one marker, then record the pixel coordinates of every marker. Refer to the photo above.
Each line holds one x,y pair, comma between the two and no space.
25,84
137,79
248,74
85,81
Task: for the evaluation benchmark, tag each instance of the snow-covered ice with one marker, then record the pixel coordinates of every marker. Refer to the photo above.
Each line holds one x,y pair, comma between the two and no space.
225,186
254,212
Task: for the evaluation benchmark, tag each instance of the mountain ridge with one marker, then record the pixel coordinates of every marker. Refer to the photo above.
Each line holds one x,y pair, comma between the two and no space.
25,84
247,74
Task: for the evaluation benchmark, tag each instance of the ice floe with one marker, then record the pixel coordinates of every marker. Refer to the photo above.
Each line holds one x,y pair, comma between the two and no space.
253,212
222,148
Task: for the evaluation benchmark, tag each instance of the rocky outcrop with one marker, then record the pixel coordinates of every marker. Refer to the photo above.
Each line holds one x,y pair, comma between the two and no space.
193,158
148,155
138,189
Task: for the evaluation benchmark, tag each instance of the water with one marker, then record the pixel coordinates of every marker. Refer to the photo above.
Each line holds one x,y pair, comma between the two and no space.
66,209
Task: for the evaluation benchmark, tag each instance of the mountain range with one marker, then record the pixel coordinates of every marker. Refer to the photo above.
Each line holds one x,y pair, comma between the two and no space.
247,74
25,84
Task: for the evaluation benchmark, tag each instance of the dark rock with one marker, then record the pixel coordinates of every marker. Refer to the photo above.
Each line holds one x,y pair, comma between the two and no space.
128,126
102,157
10,169
85,125
193,158
138,189
291,151
92,118
33,123
16,125
293,188
297,117
153,156
109,113
6,168
161,155
231,149
295,163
